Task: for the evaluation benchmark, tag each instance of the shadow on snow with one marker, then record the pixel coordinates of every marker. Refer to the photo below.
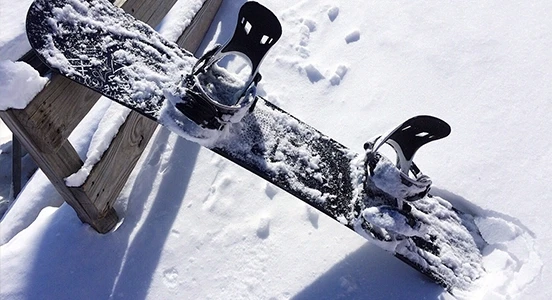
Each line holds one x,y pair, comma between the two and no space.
119,264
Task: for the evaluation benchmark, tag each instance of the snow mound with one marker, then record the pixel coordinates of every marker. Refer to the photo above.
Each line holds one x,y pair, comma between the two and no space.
511,259
19,83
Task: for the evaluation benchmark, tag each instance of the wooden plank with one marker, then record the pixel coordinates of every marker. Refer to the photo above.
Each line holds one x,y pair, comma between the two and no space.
109,176
192,37
153,12
58,165
50,163
56,111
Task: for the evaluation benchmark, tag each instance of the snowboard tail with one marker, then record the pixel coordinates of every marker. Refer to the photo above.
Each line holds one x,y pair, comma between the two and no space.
107,50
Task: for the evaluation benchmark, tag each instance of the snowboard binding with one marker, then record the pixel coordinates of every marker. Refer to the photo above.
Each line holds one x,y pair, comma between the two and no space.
405,139
257,30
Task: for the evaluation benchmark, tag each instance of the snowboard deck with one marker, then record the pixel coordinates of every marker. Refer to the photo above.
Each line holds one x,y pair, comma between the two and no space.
100,46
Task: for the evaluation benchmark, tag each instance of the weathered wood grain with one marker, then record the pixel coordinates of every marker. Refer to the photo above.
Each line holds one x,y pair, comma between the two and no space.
55,165
110,174
151,12
58,165
195,32
56,111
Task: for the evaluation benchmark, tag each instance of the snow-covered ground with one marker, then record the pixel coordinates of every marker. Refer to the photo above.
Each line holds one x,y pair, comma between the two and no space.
196,226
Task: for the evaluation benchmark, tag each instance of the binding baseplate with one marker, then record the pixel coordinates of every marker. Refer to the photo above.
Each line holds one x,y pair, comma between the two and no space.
257,30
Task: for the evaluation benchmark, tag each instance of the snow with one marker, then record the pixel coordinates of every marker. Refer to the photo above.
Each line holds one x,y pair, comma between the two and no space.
112,119
196,226
13,40
14,76
178,18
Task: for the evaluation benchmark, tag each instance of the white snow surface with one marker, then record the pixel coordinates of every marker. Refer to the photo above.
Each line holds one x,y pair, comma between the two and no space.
195,226
112,119
13,40
20,83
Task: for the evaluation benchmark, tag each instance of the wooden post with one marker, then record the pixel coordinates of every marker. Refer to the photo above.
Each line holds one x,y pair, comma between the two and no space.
44,125
16,166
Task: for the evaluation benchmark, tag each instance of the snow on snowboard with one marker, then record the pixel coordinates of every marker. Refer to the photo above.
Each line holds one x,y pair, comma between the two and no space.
100,46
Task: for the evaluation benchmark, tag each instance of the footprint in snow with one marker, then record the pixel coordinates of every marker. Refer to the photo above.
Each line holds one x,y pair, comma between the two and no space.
307,27
338,75
310,24
313,73
263,228
333,12
312,216
510,258
170,277
175,233
271,190
216,192
353,36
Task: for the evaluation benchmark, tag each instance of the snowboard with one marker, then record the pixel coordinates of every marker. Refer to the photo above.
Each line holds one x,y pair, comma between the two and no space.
100,46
